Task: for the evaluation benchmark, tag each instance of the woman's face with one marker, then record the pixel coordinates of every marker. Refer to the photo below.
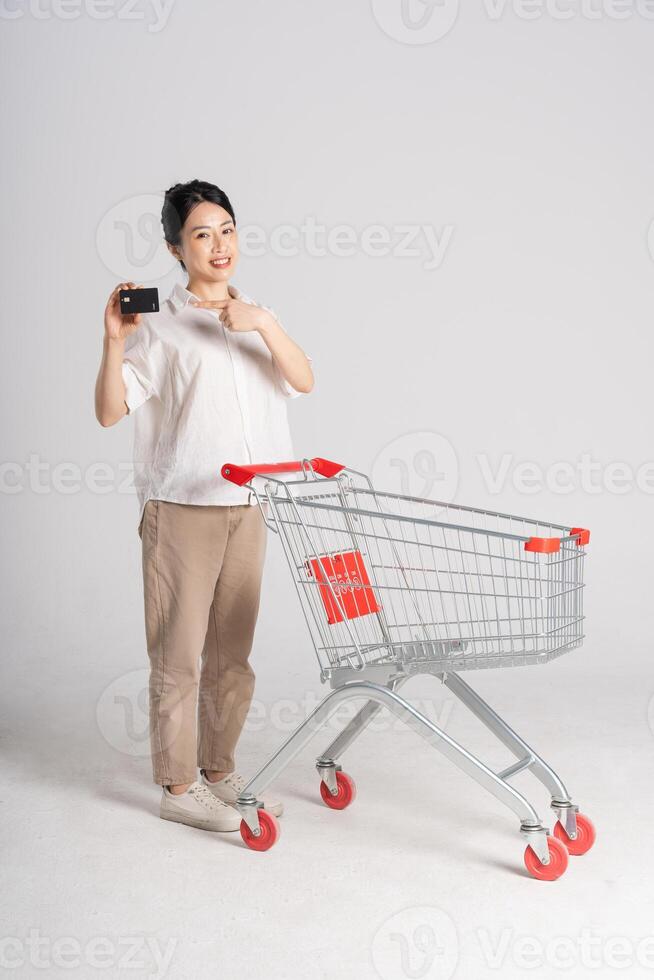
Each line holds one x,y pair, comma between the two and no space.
209,243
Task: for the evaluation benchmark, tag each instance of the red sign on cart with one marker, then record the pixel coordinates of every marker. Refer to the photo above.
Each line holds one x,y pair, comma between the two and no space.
350,594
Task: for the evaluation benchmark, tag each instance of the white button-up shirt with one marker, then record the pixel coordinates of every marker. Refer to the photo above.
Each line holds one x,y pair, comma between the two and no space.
205,396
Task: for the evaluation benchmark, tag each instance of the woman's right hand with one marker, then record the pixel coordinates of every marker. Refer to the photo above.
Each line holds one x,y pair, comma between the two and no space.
117,326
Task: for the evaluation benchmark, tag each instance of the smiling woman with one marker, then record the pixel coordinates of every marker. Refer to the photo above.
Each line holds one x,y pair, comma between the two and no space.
205,239
210,375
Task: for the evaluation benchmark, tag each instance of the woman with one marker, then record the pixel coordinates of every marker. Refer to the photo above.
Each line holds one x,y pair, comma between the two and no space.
207,378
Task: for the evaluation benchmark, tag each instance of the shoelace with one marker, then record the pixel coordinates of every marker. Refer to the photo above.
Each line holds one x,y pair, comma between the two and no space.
206,797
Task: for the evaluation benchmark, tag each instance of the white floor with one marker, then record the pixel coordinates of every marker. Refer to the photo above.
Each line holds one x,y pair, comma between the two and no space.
422,877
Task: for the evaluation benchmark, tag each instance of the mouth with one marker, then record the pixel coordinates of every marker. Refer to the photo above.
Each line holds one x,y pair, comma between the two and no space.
221,263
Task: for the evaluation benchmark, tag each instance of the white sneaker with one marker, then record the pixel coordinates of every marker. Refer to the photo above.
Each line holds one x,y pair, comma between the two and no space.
197,807
228,788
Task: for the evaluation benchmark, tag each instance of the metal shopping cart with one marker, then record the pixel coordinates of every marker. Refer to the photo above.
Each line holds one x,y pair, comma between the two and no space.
392,586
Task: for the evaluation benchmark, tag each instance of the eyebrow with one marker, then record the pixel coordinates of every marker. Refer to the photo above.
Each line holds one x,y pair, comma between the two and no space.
198,227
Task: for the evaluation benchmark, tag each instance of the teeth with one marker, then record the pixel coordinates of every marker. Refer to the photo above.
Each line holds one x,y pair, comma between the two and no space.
219,261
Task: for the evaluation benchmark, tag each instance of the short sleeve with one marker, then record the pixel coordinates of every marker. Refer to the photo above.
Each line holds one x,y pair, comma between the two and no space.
286,388
139,370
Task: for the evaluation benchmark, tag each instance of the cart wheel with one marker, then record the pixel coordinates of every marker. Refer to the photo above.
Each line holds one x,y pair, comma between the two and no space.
585,835
269,832
347,790
556,867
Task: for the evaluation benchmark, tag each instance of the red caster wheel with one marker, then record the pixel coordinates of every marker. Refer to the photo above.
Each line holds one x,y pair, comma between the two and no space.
347,790
269,832
585,835
556,867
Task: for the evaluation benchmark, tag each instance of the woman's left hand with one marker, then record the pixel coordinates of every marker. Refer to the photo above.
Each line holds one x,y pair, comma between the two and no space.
235,314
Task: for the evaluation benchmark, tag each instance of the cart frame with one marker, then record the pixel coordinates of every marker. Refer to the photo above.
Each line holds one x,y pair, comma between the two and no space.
354,675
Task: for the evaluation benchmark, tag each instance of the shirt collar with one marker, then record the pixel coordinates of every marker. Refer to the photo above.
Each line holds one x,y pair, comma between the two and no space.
181,297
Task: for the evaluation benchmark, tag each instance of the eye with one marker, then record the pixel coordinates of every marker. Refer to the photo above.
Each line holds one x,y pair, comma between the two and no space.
229,231
202,234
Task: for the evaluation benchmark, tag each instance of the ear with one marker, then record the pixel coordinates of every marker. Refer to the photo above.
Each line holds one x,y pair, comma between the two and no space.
174,251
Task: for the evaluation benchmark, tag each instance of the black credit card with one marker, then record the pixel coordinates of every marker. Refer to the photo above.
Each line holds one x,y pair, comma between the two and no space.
139,300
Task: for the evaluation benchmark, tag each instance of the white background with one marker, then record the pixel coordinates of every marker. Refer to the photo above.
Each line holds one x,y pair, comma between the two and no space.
526,141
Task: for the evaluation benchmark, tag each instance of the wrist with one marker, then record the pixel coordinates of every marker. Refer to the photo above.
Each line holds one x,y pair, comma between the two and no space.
114,343
267,324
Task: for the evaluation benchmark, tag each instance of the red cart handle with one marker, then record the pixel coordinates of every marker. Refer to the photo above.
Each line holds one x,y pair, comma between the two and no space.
243,474
549,546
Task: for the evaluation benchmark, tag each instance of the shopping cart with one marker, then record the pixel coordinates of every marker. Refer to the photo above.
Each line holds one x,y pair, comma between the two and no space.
392,586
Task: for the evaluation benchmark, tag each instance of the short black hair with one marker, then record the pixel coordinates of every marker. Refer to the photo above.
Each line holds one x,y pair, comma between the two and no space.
180,200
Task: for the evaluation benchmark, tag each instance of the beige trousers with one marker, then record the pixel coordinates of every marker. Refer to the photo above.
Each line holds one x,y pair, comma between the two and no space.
202,568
